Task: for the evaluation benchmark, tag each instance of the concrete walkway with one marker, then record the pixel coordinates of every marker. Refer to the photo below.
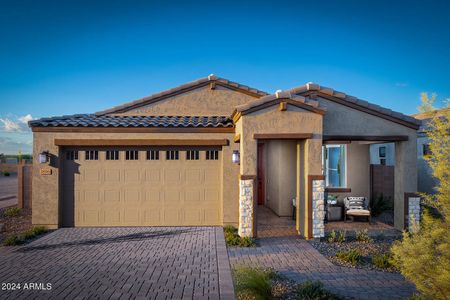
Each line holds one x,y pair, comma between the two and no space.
121,263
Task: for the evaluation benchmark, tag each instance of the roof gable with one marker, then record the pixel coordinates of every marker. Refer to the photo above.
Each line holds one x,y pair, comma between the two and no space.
212,80
278,97
312,89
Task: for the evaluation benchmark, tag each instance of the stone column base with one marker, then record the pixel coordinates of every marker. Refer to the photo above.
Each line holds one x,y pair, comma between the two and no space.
246,209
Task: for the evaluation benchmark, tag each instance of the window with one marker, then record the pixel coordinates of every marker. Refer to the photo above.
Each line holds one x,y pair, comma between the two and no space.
334,165
192,155
212,155
426,150
131,155
72,155
152,155
112,155
91,155
172,155
382,151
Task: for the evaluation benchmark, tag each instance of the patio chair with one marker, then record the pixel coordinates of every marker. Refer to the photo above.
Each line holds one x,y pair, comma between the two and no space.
356,206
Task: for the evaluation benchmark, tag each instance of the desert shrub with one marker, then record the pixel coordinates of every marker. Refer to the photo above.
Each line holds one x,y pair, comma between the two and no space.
382,261
13,241
6,173
38,230
379,204
232,238
314,290
423,256
12,212
363,236
336,236
351,256
254,283
29,234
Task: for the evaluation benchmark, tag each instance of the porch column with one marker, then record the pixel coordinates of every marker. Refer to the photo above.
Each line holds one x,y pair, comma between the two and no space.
247,185
315,187
405,178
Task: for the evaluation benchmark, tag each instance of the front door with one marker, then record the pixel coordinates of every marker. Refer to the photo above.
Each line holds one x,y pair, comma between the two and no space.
261,175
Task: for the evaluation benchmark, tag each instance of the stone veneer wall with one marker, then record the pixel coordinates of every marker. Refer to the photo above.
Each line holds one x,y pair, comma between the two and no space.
413,212
246,208
318,207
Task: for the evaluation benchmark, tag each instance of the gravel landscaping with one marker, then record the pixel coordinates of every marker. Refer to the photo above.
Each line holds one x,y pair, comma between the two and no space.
14,225
366,249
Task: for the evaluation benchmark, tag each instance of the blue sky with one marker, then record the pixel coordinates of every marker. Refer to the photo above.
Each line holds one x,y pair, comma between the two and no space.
66,57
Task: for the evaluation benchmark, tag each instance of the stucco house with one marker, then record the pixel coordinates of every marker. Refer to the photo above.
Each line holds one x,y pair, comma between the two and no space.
209,151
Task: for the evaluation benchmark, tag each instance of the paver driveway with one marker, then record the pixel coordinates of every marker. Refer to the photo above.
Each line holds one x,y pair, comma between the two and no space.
113,263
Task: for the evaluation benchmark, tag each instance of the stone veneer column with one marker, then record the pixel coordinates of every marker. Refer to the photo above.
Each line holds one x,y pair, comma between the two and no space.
318,208
246,200
413,213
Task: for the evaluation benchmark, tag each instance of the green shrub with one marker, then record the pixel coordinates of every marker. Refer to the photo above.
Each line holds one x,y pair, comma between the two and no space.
6,173
363,236
29,234
254,283
380,204
38,230
13,212
382,261
13,240
350,256
232,238
314,290
336,236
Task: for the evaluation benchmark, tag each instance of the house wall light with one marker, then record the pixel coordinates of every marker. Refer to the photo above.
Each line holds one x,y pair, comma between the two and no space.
236,157
44,157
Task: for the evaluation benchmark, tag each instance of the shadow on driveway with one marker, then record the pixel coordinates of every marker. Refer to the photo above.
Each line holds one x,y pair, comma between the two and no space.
140,236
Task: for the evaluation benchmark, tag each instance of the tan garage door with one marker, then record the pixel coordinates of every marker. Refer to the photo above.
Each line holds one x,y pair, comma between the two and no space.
141,187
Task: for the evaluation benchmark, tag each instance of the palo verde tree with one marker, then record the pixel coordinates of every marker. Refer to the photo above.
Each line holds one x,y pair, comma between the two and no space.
423,257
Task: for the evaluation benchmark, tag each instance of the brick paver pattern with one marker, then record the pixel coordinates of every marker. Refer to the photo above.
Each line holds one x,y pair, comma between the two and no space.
296,259
113,263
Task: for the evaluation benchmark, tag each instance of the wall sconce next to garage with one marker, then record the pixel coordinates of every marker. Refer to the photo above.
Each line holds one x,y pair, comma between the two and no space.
236,157
44,157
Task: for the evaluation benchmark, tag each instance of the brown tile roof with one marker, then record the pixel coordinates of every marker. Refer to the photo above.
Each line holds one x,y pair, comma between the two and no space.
91,120
182,88
356,102
279,96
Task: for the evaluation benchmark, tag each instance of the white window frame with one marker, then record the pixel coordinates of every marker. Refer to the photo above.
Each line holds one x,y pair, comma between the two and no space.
325,162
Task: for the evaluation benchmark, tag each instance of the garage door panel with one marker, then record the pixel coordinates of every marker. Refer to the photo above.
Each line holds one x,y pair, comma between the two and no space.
145,192
91,217
153,176
152,217
111,197
172,176
91,175
112,175
131,176
194,195
112,217
192,216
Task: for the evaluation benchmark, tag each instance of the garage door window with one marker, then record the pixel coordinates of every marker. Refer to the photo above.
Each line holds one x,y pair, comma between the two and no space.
112,155
212,155
91,155
152,155
72,155
172,155
192,155
131,155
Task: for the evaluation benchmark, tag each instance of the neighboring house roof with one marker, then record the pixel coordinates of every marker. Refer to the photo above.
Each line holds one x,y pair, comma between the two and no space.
278,97
92,120
211,79
342,98
426,117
